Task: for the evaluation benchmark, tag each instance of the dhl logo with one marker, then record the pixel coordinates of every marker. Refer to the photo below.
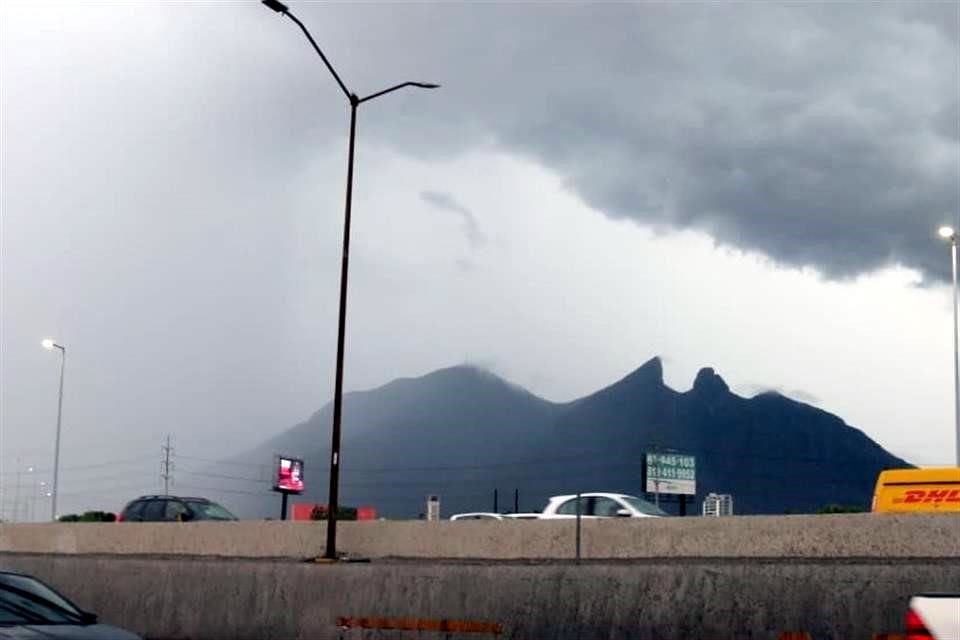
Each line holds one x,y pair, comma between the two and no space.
913,496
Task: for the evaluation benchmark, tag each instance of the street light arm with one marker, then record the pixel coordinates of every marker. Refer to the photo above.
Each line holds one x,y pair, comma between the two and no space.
422,85
336,77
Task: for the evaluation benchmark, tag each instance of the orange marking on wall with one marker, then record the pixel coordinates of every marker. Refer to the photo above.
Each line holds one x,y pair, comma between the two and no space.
416,624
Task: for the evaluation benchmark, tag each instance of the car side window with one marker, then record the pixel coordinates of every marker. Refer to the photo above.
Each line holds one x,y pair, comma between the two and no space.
134,512
154,511
176,510
604,507
569,508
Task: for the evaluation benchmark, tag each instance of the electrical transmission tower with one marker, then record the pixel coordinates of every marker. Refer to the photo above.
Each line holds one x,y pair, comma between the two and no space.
166,466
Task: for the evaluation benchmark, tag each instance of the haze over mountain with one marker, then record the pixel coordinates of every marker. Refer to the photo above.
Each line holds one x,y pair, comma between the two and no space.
463,432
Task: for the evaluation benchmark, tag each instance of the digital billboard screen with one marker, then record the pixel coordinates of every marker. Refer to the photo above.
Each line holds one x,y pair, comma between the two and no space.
289,475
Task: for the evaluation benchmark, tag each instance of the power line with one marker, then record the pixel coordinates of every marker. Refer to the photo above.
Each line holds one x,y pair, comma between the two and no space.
636,458
226,462
236,491
99,465
222,476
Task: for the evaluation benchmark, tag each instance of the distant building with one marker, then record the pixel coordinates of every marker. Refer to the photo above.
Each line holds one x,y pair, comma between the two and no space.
717,505
433,508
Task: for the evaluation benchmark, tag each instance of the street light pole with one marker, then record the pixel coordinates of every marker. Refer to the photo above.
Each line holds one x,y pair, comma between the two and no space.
949,233
50,345
355,101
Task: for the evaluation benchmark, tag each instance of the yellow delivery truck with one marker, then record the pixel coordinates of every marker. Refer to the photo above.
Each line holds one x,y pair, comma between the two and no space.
935,490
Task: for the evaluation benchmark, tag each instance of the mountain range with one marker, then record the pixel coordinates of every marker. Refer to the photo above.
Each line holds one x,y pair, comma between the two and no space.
461,433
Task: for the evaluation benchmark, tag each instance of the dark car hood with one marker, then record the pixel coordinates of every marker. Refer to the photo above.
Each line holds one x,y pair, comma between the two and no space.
65,632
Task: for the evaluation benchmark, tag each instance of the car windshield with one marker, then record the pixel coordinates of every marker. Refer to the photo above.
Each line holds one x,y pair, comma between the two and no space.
24,600
209,511
644,507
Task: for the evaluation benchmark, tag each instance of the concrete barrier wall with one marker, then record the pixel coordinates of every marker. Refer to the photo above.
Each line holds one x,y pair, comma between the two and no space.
834,536
705,599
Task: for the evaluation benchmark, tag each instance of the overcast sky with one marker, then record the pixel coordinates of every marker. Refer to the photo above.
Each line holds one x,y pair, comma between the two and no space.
754,187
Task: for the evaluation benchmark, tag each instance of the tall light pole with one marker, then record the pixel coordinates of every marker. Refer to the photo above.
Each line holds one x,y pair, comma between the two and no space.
355,101
950,234
50,345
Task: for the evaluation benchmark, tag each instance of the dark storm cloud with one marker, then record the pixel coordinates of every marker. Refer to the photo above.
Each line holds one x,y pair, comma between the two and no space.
823,135
446,202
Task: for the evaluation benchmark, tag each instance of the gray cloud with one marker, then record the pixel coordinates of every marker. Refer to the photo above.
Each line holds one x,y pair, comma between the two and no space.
795,394
819,134
446,202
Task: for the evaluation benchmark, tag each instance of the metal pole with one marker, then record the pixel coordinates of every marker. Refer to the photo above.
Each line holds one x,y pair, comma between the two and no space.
579,513
56,449
283,505
331,551
956,357
496,503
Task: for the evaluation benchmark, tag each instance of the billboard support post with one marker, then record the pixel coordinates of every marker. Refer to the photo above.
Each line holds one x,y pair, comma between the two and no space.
283,505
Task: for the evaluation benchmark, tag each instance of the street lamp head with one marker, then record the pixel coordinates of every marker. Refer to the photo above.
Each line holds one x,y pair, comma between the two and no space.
48,344
279,7
946,232
425,85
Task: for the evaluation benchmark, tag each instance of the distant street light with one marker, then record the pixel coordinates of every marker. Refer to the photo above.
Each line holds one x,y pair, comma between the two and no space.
950,234
355,101
51,345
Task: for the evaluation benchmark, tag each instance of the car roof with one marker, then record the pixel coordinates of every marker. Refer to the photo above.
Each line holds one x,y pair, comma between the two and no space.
169,497
477,514
595,494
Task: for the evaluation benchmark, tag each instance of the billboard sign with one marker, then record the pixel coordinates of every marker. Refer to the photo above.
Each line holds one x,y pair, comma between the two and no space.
673,473
289,478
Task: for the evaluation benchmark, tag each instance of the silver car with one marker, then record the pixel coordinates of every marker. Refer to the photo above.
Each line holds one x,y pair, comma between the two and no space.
30,610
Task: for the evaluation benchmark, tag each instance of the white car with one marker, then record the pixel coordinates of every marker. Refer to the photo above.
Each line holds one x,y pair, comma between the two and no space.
522,516
935,616
600,505
479,515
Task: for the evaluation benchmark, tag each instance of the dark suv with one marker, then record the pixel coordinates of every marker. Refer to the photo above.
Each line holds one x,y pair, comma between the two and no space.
173,509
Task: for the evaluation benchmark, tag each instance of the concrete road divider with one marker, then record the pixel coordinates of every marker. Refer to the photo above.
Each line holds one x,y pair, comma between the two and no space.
668,599
820,536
